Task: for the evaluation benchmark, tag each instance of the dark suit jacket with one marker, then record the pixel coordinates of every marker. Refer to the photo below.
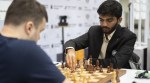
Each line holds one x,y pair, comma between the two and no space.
122,42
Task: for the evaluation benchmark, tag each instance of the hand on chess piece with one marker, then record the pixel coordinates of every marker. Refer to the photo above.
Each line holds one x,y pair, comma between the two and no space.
70,58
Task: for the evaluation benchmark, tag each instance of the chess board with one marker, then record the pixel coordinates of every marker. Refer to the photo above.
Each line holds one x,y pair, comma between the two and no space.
82,76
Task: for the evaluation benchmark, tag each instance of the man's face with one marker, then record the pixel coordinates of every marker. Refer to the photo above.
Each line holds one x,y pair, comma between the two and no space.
35,35
108,23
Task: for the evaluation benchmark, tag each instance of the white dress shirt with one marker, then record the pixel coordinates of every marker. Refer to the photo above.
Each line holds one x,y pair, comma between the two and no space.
104,45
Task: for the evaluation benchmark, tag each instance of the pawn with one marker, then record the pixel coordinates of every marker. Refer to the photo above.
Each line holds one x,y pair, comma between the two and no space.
78,65
100,69
114,77
62,65
108,69
111,67
97,65
86,64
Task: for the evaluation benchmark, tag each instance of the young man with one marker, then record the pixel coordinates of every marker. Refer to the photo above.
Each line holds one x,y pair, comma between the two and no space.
21,60
108,42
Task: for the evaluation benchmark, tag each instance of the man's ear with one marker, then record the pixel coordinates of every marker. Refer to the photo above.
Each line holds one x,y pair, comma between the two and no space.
119,20
29,28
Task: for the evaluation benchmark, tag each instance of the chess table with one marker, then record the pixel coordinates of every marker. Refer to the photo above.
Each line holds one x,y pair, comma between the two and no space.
82,76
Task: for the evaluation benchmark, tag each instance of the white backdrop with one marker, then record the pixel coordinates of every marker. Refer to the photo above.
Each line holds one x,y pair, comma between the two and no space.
81,15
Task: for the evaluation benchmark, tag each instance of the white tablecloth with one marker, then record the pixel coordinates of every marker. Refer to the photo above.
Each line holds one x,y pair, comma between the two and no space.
129,77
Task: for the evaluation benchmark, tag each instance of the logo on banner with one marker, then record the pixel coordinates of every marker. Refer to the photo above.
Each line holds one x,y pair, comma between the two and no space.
87,1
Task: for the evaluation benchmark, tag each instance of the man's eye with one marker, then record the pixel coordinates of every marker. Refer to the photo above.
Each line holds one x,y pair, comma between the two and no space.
101,20
109,20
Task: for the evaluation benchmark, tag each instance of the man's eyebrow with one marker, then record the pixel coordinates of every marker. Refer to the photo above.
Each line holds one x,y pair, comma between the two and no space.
106,18
110,18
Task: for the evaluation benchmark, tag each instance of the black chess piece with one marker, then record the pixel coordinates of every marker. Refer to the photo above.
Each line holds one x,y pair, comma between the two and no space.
101,68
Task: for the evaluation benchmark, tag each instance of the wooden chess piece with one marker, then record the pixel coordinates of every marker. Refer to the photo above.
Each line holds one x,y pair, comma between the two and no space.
97,64
78,64
86,64
117,75
101,69
90,66
84,80
67,73
62,65
114,77
108,69
82,68
111,67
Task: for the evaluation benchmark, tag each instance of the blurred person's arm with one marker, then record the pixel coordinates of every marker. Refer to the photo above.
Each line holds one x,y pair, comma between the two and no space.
39,68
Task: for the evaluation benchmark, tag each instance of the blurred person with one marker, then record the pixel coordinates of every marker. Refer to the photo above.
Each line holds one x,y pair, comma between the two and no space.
108,42
21,60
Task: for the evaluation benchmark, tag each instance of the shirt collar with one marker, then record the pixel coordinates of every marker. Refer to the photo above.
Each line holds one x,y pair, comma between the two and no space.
110,35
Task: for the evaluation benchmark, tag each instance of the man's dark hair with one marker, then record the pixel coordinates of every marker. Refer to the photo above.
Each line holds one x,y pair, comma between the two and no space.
25,10
110,7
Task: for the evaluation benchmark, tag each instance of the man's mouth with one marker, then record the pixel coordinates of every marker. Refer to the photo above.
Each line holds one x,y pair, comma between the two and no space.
105,29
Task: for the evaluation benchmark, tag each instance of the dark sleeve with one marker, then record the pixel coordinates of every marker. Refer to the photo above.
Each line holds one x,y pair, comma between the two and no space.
78,43
40,69
125,50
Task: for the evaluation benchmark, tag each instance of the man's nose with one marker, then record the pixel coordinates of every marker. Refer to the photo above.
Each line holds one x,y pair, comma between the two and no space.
104,23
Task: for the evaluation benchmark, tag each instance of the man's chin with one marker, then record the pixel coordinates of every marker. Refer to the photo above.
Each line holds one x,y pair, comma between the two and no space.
105,31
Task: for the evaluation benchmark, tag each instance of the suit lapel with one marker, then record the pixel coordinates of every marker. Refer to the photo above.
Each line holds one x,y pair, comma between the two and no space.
113,41
98,41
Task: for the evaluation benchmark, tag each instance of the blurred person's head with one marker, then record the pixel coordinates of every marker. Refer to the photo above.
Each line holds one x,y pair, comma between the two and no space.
25,17
110,13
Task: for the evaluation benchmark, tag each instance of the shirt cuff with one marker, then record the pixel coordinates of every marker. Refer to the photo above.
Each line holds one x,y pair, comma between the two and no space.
68,48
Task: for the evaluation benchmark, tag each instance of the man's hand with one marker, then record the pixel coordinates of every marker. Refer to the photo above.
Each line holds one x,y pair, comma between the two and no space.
71,58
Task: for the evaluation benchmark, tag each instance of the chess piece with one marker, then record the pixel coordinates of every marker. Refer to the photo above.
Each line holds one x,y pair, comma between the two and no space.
67,73
82,68
74,77
97,65
111,67
90,59
100,69
78,64
114,77
117,75
62,65
90,66
84,80
86,64
108,69
88,79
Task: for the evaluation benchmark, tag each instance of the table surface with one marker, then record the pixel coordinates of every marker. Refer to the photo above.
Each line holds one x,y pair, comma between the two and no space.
129,77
